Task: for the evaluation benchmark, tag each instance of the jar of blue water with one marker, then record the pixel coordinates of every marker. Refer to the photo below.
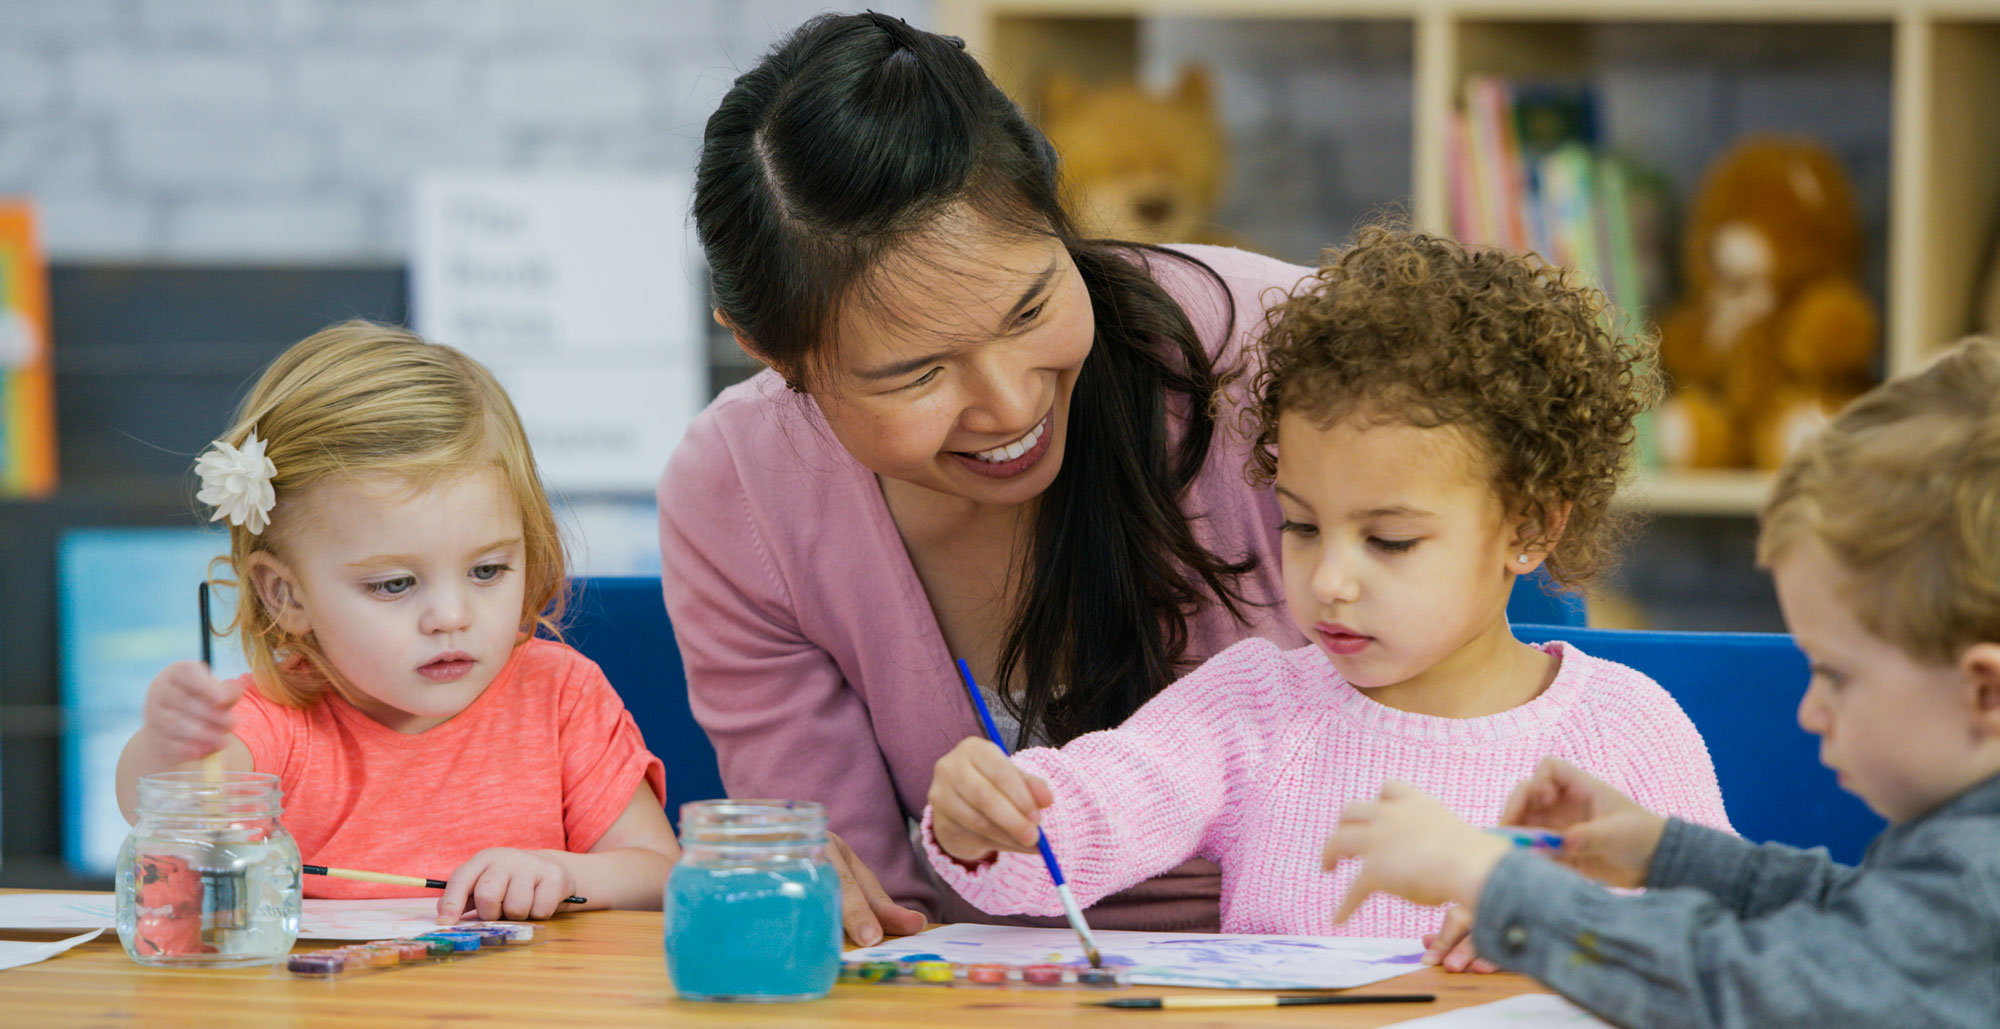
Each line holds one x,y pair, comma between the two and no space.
753,907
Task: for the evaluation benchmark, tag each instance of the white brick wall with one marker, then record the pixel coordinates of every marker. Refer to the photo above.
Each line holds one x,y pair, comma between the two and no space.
135,82
290,130
169,157
27,79
1318,114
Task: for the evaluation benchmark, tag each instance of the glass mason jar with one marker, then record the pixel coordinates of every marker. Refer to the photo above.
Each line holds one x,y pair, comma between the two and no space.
208,877
753,907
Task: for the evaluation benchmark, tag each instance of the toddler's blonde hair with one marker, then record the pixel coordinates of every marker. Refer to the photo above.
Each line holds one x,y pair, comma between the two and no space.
1903,489
361,398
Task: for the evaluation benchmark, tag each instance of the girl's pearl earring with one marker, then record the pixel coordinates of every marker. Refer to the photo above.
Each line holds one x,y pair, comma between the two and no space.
1522,558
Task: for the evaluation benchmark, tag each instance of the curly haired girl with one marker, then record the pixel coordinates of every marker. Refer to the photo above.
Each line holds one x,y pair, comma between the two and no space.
1437,422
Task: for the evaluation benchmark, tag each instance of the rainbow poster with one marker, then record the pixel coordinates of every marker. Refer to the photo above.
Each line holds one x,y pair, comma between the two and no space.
27,385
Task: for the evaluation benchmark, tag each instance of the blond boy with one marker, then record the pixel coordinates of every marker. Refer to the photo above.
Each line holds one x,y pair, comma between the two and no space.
1883,535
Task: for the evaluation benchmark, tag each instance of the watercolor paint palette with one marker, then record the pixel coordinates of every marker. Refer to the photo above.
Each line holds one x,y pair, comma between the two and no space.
933,970
458,941
1211,960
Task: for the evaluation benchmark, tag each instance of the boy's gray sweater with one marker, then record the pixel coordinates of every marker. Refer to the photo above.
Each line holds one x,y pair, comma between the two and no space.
1731,933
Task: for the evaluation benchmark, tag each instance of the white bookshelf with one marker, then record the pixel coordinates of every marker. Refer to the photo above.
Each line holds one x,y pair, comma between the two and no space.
1944,145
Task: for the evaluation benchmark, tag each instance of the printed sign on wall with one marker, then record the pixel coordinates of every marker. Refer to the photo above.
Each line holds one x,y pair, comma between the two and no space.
581,294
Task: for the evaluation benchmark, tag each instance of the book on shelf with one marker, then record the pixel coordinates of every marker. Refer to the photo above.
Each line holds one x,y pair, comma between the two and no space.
1528,172
1543,117
27,383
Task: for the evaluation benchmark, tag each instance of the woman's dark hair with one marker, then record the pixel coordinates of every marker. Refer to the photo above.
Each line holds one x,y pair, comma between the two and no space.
852,137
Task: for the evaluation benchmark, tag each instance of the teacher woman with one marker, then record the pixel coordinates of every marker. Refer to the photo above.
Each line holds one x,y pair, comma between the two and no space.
978,436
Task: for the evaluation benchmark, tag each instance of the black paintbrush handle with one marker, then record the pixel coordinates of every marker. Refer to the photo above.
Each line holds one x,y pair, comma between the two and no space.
1358,998
201,598
411,880
1281,1001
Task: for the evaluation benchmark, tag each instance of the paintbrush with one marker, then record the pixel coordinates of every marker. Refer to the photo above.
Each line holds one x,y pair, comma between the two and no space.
230,908
1041,838
1266,1000
393,880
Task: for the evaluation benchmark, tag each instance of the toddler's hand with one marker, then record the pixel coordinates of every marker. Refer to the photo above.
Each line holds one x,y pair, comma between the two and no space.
981,803
502,882
1606,835
1450,948
189,711
1411,846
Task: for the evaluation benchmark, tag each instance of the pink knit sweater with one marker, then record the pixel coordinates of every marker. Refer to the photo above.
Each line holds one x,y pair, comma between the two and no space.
1248,760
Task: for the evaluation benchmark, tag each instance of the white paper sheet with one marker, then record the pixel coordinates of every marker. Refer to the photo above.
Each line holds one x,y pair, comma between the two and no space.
14,954
1528,1011
319,919
1223,961
56,911
367,919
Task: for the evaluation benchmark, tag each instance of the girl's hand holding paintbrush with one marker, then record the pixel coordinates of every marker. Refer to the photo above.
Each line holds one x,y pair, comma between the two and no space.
189,712
981,803
189,715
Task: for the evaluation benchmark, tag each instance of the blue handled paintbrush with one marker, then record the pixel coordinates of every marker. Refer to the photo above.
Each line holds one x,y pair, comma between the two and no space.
1041,838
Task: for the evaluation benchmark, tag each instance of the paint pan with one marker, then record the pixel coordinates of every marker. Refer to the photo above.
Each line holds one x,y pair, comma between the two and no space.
446,944
932,970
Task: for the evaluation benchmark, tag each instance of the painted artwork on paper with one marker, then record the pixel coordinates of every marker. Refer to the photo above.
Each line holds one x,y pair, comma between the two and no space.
1216,960
322,919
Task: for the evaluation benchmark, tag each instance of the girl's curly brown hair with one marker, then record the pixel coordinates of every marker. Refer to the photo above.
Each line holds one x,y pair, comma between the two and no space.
1409,327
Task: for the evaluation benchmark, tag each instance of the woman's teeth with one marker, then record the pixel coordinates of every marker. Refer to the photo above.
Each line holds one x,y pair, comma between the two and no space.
1016,448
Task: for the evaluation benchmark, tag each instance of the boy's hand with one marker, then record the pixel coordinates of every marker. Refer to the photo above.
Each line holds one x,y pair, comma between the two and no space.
502,882
1450,948
1606,835
189,711
981,803
1411,846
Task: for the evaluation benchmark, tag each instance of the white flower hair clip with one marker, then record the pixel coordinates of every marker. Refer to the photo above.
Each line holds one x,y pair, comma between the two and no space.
237,483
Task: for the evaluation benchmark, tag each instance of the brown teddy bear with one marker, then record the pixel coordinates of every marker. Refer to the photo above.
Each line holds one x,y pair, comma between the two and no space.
1774,332
1137,166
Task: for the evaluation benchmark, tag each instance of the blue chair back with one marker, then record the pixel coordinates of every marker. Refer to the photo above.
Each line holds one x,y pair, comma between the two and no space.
1742,690
621,623
1533,602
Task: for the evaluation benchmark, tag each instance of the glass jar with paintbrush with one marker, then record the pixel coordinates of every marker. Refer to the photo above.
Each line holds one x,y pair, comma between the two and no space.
208,877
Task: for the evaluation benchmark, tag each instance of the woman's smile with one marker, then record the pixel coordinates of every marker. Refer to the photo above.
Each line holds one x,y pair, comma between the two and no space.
1011,459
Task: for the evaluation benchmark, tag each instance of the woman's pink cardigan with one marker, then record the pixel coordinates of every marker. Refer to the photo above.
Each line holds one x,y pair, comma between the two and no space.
813,658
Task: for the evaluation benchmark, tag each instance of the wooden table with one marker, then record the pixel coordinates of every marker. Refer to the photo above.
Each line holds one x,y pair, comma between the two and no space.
602,968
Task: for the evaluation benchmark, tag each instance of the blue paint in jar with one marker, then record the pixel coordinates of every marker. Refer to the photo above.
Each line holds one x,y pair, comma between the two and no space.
753,906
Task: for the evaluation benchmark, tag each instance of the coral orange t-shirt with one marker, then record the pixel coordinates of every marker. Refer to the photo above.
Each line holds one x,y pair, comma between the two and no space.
546,759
